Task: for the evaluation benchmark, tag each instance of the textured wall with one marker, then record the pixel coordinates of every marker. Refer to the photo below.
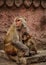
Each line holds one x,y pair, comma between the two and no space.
33,17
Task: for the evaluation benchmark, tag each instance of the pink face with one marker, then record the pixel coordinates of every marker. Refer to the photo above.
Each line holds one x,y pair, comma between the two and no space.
18,23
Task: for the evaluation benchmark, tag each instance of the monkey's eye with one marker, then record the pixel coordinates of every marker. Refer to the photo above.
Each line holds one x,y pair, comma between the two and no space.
18,20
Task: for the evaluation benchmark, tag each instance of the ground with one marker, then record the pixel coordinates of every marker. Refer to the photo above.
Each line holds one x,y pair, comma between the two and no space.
38,59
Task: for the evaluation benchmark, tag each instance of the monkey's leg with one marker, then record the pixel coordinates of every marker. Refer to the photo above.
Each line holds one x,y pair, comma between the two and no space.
32,47
22,47
10,51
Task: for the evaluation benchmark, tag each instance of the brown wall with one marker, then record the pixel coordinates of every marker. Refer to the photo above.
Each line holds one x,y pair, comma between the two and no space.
33,17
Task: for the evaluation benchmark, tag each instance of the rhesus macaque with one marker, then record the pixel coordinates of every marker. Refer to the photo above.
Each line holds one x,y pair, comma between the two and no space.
12,36
18,39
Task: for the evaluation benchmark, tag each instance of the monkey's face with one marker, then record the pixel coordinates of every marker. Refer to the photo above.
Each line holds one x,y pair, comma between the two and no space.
18,23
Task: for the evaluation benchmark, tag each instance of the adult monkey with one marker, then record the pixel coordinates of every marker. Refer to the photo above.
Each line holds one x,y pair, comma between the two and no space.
18,37
11,36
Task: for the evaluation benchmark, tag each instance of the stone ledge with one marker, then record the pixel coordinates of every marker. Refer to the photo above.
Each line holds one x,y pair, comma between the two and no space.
38,58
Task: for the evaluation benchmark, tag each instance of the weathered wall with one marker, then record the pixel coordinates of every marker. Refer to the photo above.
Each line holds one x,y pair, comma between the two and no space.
33,17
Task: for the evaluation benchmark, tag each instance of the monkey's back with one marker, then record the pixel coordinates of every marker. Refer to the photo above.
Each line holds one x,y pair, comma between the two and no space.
10,36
